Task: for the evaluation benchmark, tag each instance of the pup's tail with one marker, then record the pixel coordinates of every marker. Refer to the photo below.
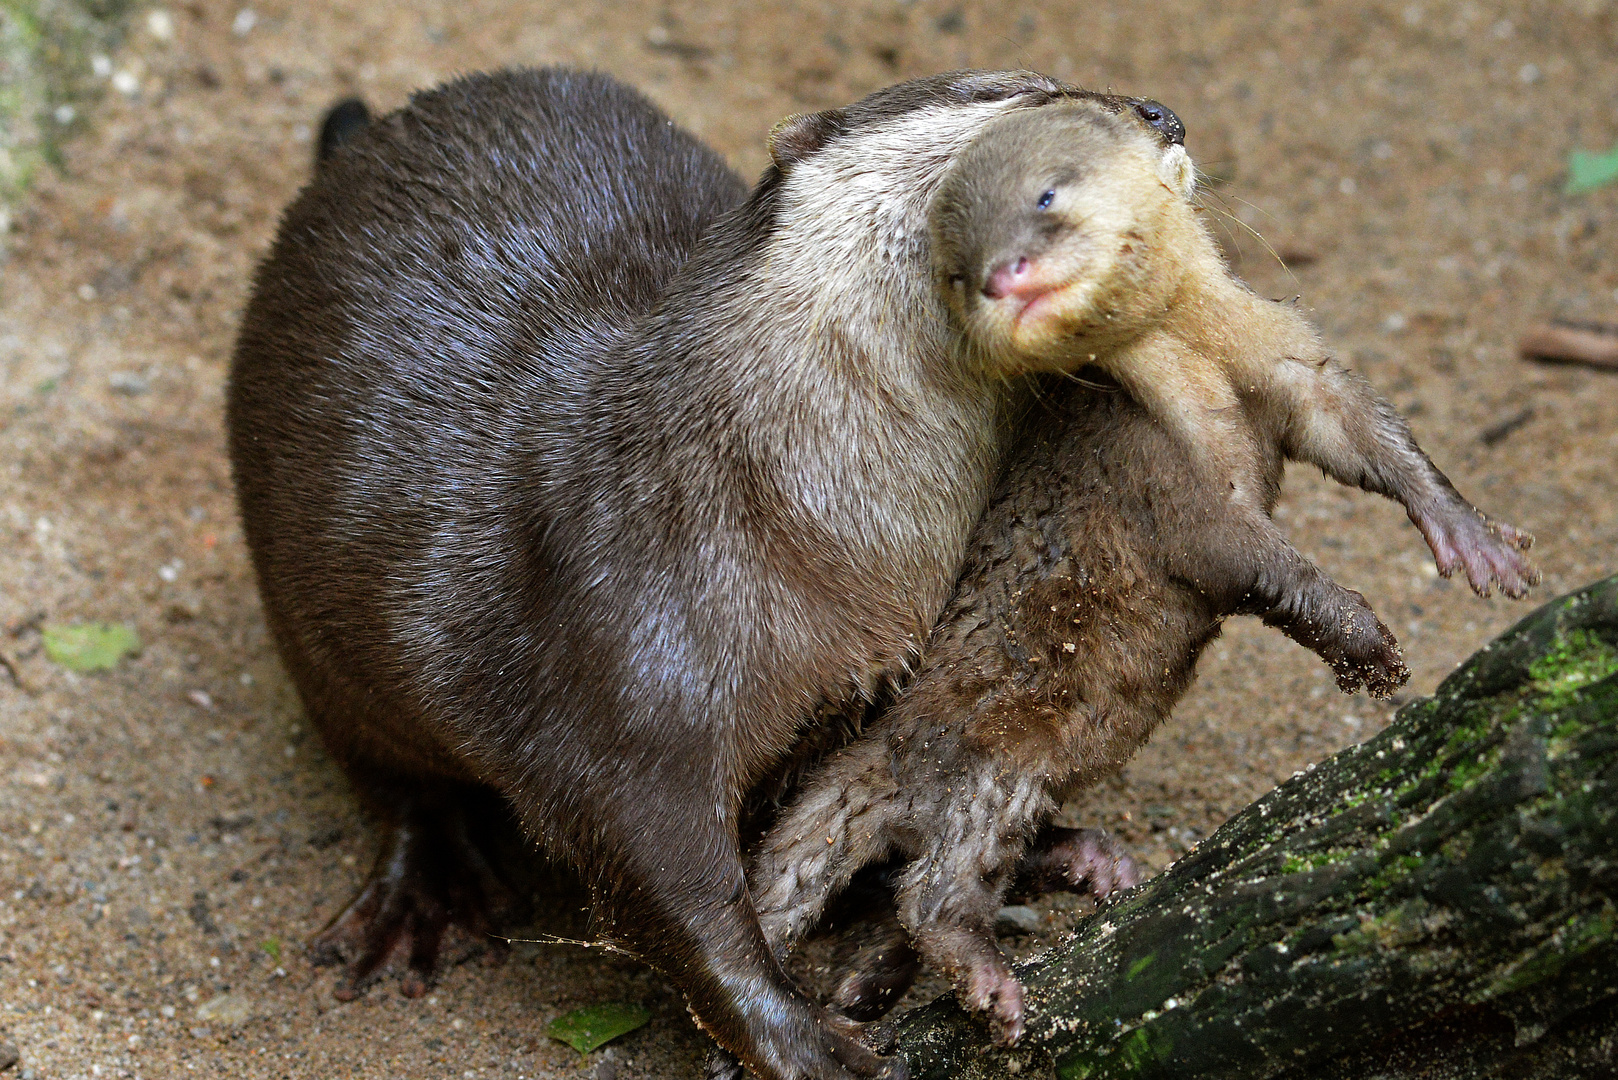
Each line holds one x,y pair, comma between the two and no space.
343,121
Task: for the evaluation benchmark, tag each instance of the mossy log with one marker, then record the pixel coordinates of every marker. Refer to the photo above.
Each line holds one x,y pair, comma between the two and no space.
1435,902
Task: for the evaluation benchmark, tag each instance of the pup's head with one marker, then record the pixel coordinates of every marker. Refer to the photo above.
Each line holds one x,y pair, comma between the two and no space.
1062,231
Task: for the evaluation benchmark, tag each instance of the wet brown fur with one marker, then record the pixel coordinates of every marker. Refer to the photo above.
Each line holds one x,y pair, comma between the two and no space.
1096,577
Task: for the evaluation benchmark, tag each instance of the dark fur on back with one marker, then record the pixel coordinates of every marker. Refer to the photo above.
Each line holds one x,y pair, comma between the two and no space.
403,373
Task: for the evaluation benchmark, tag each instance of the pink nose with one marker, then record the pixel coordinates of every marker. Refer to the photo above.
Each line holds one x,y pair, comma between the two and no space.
1007,278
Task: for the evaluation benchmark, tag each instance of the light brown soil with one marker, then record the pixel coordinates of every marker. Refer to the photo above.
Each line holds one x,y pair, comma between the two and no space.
160,823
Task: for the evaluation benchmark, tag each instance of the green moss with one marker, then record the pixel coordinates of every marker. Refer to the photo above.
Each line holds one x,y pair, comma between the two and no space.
1140,1049
1463,773
21,97
1394,871
1398,927
45,50
1574,661
1314,860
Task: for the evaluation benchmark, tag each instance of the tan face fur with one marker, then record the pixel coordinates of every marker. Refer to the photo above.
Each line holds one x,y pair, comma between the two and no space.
1050,233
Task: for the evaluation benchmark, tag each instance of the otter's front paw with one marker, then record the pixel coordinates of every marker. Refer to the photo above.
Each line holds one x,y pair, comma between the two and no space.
1362,651
1490,552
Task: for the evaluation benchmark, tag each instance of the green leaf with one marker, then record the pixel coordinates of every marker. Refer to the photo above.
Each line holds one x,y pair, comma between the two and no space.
90,646
1587,171
273,947
596,1025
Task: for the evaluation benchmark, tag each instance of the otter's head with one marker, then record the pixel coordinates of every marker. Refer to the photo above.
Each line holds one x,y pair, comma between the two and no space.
1065,230
839,228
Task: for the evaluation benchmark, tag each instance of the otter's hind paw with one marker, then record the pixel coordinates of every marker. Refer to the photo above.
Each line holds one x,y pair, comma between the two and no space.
1077,861
430,877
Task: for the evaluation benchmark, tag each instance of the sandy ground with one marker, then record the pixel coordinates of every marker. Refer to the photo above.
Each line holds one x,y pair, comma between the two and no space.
170,834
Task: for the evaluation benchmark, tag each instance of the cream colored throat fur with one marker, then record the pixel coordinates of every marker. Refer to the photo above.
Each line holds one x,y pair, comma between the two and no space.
1180,333
859,347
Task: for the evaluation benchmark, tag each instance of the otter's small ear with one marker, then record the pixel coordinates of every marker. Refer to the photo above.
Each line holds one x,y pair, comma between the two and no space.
801,134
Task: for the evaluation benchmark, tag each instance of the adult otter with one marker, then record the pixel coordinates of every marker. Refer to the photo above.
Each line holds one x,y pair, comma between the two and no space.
571,474
1107,560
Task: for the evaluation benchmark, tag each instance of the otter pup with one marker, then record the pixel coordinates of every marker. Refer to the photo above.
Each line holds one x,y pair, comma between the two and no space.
1127,527
1062,237
575,474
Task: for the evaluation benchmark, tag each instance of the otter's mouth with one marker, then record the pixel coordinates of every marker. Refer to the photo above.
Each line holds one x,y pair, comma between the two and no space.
1035,311
1043,314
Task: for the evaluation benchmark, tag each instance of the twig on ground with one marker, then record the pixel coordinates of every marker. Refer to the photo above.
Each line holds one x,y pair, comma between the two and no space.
1562,341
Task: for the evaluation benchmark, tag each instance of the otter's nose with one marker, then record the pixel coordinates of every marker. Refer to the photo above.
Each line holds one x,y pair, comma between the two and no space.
1161,119
1005,279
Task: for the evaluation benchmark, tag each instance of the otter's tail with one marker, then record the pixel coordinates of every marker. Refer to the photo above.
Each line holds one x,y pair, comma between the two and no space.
343,121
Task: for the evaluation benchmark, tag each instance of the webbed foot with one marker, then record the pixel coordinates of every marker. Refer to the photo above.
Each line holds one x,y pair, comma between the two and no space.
430,877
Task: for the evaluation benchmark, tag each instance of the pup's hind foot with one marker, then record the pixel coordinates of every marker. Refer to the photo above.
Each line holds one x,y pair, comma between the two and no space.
1489,552
1077,861
880,971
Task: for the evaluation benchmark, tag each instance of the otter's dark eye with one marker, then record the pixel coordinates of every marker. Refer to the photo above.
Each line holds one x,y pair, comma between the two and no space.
1045,200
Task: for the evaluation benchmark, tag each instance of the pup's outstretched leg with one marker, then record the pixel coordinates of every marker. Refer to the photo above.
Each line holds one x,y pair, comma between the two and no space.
1334,419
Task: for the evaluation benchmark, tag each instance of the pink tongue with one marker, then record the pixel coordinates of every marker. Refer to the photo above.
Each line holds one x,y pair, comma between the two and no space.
1008,279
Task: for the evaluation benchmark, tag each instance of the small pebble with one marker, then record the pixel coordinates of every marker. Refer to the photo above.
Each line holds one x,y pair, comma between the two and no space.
127,382
244,22
230,1010
8,1056
160,24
